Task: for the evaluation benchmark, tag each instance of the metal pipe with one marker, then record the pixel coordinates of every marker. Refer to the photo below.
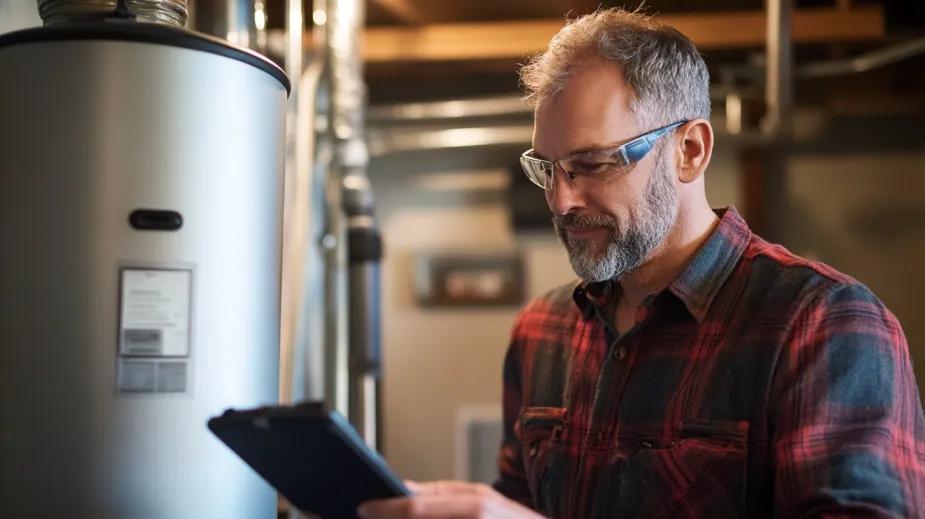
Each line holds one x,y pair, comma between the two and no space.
336,347
352,218
779,79
338,31
301,352
290,304
241,22
503,106
170,12
385,141
778,123
365,256
868,61
314,287
451,109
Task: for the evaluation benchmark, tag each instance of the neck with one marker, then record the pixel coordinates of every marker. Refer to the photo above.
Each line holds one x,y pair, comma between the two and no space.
691,229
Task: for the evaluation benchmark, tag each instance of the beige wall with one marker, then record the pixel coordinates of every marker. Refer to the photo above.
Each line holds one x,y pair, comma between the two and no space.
864,214
437,360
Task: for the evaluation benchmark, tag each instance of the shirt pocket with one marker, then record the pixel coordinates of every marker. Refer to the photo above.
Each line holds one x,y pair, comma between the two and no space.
541,431
701,473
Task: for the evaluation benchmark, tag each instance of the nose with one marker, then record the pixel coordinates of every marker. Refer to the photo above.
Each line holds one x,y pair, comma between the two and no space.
565,196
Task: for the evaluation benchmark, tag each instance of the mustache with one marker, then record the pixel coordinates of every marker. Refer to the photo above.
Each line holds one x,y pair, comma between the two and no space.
584,221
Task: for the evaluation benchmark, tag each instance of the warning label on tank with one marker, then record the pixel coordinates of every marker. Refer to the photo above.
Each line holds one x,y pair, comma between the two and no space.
155,313
152,376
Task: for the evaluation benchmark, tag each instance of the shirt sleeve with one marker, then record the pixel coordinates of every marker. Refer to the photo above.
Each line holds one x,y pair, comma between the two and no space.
512,480
846,422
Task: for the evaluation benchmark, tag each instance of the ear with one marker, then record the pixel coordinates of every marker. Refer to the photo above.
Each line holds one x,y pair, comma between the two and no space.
695,146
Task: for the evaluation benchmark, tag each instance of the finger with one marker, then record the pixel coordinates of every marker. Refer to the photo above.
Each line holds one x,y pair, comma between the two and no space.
421,507
396,508
449,488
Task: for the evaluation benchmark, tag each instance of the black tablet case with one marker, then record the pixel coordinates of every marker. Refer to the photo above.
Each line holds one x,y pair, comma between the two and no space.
310,455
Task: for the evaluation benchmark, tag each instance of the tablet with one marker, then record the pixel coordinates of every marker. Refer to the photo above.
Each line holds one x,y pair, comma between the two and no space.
312,456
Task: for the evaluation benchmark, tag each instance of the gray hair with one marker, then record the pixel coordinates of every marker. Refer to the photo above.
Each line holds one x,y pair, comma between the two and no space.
668,76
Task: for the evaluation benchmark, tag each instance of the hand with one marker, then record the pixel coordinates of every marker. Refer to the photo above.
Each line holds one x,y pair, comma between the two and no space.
446,500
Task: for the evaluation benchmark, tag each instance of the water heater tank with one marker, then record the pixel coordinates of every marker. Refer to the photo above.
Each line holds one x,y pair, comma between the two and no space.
141,173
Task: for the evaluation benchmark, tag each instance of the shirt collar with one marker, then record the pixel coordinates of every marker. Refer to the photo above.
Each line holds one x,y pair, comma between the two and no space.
701,279
711,266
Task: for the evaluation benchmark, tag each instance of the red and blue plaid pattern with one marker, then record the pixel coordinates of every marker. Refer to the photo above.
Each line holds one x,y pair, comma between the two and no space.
757,384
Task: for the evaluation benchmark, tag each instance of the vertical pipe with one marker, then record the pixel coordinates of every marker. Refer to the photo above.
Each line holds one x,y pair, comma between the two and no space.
306,263
779,85
336,354
295,28
365,254
344,22
292,247
777,124
354,220
241,22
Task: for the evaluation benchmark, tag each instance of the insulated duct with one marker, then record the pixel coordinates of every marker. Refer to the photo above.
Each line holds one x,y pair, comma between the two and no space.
353,364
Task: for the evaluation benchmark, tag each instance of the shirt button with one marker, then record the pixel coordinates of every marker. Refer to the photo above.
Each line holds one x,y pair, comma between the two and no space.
621,353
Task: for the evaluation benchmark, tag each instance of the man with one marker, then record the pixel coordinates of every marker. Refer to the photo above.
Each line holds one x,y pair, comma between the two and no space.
696,370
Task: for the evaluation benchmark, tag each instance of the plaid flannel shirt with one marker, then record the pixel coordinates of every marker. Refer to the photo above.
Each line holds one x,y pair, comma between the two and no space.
757,384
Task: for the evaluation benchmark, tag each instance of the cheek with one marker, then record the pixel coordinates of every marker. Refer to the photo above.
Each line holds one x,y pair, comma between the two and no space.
612,200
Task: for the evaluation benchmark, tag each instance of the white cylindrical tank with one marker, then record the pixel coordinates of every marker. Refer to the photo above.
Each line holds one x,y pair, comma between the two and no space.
141,173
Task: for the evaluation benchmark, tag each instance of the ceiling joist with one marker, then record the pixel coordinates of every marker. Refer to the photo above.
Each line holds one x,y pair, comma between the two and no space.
520,39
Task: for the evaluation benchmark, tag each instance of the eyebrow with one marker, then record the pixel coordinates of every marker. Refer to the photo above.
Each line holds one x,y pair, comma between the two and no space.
586,149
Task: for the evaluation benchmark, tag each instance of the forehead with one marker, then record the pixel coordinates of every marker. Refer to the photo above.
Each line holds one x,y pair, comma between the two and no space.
591,111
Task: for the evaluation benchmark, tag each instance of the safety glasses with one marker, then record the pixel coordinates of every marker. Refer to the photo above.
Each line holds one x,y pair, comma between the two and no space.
593,163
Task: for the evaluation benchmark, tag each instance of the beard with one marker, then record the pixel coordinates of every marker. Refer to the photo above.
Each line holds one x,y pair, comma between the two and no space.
631,241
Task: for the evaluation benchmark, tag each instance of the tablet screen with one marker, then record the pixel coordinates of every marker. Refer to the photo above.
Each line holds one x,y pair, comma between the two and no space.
310,455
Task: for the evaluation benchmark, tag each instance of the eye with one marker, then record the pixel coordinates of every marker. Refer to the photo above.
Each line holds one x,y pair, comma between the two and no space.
592,168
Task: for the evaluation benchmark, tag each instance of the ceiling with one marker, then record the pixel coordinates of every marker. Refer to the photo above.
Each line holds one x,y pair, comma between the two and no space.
456,48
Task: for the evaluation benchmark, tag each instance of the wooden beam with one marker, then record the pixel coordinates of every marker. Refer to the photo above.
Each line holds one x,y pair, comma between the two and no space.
402,10
522,38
